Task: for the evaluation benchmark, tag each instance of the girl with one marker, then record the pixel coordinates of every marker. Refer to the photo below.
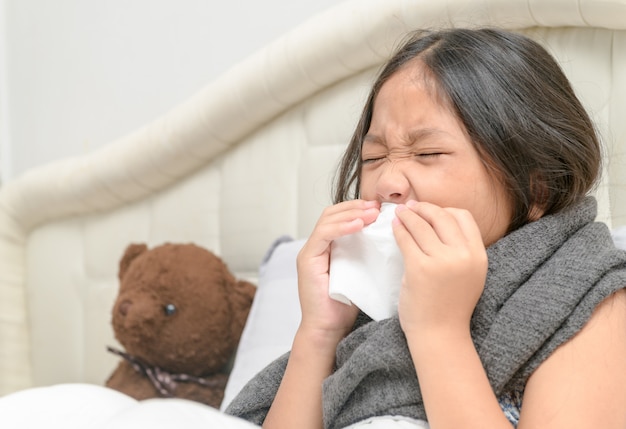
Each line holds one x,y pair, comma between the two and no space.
512,310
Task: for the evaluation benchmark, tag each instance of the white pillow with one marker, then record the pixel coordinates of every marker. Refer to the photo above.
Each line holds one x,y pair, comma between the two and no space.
274,316
619,237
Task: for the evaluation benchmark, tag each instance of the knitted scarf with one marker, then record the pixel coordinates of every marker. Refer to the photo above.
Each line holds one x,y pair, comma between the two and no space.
543,282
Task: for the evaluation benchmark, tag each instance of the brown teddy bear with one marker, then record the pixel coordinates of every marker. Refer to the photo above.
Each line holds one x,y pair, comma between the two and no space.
179,315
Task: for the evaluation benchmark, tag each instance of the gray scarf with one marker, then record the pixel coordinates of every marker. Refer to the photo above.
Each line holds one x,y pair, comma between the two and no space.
544,281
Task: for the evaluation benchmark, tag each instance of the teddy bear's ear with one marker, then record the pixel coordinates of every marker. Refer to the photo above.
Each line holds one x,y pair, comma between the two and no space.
132,251
241,300
245,292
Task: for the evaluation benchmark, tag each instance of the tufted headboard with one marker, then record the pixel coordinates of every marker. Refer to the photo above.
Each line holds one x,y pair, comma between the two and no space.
246,160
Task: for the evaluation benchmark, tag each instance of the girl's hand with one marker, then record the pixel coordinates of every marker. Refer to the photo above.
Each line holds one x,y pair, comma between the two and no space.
445,267
320,313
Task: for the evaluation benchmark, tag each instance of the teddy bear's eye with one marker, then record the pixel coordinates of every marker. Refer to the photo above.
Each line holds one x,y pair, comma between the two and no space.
169,309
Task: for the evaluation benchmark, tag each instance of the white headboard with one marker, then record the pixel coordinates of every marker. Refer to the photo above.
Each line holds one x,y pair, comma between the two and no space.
247,159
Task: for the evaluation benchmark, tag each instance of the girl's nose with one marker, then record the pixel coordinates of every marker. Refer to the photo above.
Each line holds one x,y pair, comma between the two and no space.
393,185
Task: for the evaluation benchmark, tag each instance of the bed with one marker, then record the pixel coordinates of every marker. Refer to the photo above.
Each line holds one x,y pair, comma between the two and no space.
243,164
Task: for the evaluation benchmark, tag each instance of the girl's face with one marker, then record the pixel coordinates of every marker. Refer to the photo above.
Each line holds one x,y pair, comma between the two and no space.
416,148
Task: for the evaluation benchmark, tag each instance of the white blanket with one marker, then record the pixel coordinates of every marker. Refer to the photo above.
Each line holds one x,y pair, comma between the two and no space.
87,406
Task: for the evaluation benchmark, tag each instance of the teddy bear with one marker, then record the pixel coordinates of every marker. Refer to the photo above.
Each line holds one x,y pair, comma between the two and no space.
179,314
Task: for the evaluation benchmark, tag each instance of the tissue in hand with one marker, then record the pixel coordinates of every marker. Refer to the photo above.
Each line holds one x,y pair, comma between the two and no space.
366,267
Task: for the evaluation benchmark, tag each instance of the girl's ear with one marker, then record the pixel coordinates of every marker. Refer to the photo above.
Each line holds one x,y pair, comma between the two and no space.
540,195
535,213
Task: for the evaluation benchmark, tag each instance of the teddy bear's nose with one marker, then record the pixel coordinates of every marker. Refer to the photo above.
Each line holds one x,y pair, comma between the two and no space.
124,307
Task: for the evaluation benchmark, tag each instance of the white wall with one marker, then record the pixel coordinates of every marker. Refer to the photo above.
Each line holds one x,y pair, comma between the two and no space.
75,74
4,126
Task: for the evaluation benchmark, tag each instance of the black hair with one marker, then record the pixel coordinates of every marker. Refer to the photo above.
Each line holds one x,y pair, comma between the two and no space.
517,106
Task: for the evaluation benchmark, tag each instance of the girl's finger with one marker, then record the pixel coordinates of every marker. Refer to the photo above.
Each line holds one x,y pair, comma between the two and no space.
408,247
443,221
339,220
367,216
420,230
467,225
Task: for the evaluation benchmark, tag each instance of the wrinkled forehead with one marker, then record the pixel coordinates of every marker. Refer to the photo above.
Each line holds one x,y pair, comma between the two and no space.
417,71
430,97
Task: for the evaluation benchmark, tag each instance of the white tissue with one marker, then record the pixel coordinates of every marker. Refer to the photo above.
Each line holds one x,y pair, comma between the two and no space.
366,268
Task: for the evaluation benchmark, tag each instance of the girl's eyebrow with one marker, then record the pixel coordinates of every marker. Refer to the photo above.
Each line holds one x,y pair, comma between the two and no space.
369,138
413,136
423,133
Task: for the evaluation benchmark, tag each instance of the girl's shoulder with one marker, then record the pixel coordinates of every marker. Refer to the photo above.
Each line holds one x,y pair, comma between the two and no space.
589,368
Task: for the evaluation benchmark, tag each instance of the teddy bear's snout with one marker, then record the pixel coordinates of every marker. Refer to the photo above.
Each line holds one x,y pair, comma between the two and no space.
124,307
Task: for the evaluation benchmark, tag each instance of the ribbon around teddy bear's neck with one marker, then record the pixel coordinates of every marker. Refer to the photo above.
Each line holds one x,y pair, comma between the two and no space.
164,382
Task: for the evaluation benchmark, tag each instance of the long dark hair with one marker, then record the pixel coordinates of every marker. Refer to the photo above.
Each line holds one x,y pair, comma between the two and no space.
517,106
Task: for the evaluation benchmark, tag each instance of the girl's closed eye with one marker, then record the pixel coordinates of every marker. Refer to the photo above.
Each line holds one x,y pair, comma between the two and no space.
429,154
370,159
